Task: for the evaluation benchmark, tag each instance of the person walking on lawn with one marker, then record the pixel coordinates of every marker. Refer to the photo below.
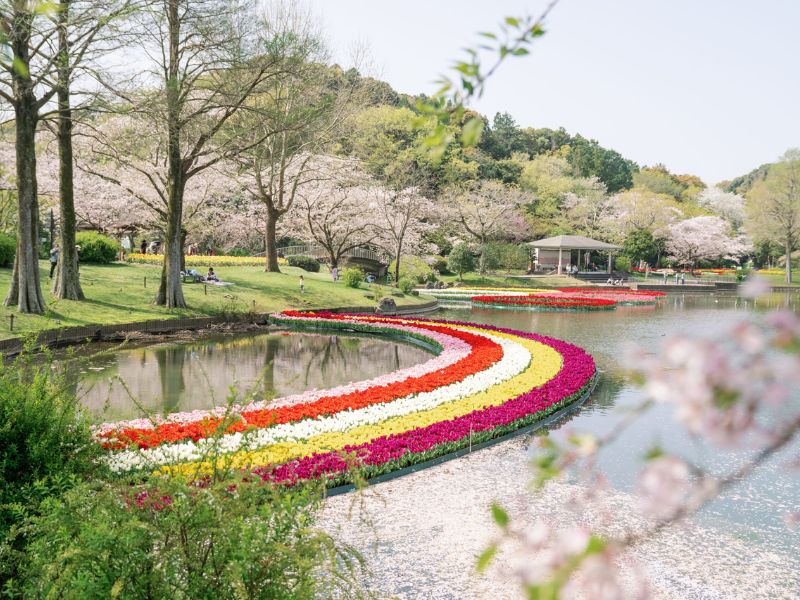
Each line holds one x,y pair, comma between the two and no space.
54,252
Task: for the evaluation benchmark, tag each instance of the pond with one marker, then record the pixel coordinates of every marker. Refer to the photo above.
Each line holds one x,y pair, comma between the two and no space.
165,378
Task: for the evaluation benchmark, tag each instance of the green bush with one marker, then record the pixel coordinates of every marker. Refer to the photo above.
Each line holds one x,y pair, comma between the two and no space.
96,248
352,277
440,265
622,263
412,267
224,539
307,263
238,252
45,441
8,247
406,284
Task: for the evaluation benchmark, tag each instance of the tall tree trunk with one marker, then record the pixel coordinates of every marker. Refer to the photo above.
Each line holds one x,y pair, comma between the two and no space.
26,291
170,292
788,249
271,243
67,284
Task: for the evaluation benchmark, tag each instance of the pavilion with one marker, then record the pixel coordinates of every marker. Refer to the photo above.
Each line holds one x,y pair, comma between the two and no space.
574,242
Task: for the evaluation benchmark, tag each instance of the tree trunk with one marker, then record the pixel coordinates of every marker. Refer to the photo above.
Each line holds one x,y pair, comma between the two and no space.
170,292
482,259
271,244
25,291
67,284
788,248
397,264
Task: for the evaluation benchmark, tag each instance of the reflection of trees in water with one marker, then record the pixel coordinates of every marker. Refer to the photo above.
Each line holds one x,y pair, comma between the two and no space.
200,374
170,362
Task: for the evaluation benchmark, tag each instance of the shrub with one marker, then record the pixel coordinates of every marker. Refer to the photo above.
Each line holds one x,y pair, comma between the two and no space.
169,539
96,248
352,277
238,252
307,263
8,247
461,259
440,265
622,263
406,284
45,441
413,267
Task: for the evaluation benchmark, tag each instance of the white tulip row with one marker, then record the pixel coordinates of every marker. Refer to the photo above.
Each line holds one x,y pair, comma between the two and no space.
516,359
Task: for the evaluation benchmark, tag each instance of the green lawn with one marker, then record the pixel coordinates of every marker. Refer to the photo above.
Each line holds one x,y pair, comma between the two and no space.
117,294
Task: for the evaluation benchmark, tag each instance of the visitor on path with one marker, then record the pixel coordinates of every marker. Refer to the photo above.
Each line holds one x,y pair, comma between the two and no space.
153,247
335,274
683,278
302,285
143,247
211,276
665,278
54,252
676,278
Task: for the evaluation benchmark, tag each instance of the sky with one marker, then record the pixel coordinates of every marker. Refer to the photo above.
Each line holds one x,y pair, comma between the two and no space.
708,87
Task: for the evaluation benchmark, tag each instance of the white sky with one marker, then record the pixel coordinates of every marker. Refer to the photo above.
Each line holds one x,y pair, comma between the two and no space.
709,87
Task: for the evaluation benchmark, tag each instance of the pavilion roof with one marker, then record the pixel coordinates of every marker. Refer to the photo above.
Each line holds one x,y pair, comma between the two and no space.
573,242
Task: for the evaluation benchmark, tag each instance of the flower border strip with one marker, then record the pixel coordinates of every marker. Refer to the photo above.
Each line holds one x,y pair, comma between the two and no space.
372,455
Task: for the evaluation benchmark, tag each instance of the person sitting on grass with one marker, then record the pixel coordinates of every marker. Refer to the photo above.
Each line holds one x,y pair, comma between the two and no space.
211,276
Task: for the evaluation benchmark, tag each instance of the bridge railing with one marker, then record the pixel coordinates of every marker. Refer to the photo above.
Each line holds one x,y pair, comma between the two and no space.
319,252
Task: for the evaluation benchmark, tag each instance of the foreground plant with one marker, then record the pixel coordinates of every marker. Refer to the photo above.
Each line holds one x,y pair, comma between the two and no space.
228,538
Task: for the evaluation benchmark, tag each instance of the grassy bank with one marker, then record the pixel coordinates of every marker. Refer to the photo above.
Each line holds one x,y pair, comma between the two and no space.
118,293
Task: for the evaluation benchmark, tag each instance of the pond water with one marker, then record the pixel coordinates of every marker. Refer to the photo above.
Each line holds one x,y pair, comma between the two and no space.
174,377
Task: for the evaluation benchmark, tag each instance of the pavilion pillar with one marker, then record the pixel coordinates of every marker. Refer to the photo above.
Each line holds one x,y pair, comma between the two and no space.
610,261
559,261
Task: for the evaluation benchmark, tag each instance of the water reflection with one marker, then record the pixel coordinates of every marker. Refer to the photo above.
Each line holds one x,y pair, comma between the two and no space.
189,376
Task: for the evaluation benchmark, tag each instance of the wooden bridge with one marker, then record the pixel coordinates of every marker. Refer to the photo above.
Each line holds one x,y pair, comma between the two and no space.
367,259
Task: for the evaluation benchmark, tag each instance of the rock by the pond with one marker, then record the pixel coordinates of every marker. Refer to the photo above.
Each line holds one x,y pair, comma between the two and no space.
387,305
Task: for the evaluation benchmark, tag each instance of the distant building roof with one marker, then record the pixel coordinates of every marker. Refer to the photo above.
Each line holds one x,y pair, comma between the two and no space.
573,242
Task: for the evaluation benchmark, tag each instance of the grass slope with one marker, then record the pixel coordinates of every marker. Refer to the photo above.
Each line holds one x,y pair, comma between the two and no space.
117,294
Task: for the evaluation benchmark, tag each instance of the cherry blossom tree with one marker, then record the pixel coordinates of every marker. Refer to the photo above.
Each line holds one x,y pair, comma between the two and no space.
292,120
335,213
587,210
704,238
723,204
489,211
403,218
124,180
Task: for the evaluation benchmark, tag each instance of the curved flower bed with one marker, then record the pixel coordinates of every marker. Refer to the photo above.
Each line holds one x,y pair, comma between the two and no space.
484,382
542,302
622,296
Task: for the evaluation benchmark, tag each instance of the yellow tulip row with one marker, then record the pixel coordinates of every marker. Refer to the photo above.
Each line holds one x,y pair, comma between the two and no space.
197,260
